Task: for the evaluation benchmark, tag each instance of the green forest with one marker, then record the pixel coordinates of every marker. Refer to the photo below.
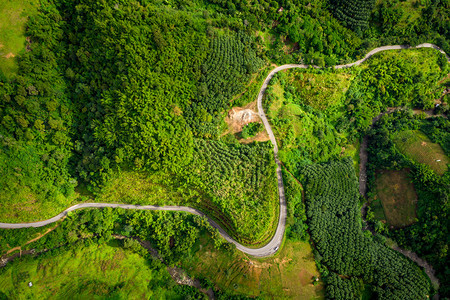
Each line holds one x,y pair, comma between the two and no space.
126,102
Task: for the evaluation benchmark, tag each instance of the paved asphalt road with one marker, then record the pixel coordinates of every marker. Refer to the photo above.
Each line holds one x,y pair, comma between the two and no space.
273,246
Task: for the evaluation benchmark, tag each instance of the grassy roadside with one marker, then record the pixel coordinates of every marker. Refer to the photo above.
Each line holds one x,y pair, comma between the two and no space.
141,189
287,275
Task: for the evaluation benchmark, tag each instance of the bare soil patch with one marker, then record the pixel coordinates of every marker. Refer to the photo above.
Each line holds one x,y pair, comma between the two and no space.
238,117
10,55
398,197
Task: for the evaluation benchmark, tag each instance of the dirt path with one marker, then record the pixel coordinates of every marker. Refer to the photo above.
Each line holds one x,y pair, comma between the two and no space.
41,235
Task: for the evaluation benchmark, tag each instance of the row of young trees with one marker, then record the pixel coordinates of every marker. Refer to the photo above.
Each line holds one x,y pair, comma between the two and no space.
231,61
335,227
353,14
240,181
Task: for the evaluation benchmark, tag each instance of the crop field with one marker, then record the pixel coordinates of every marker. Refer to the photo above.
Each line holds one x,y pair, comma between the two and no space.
87,273
419,147
287,275
14,14
397,196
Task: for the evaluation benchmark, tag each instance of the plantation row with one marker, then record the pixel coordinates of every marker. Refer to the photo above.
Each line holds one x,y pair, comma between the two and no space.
335,227
240,180
231,61
353,13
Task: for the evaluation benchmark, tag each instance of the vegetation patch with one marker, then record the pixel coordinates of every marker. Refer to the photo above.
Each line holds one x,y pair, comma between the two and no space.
428,235
251,129
240,182
334,218
398,197
288,275
88,271
320,90
144,189
14,14
421,149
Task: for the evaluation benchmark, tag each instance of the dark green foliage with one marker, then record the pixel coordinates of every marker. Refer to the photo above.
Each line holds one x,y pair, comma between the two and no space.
298,229
429,236
251,129
129,96
35,120
240,181
353,14
342,288
231,60
335,226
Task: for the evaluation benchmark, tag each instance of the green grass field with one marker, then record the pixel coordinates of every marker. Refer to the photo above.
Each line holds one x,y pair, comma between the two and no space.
14,14
419,147
398,197
275,107
288,275
352,150
92,272
140,188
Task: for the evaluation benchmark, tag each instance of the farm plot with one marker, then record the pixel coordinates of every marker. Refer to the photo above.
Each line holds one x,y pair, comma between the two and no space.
397,196
421,149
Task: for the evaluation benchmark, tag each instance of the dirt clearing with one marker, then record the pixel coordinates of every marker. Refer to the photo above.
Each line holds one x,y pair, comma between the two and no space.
238,117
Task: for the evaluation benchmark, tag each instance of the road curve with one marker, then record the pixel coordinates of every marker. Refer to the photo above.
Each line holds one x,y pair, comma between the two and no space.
274,244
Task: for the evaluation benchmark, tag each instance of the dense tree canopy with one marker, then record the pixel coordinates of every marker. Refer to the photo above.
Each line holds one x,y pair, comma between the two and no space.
335,226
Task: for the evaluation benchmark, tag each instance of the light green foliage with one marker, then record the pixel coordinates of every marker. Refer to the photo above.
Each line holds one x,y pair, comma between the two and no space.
389,79
421,149
158,188
287,275
405,77
251,129
90,271
30,187
304,134
322,90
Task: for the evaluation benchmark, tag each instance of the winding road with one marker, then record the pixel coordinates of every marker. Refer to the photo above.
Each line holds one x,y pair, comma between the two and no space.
274,244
